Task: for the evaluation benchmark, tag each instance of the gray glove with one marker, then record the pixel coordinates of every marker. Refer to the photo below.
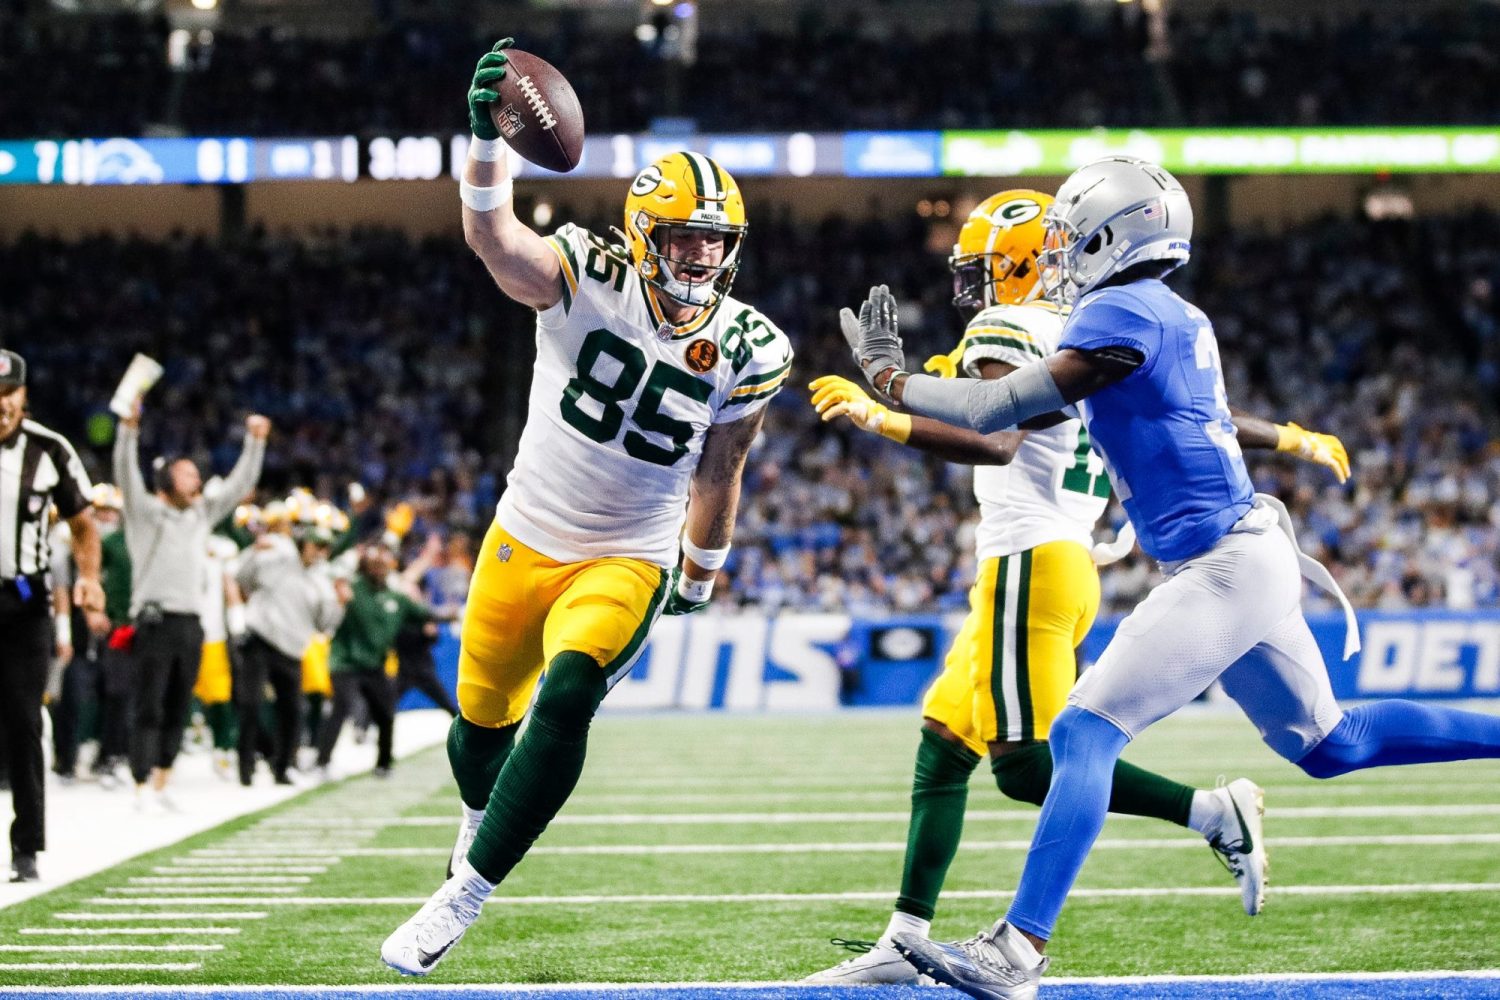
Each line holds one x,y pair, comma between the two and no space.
873,337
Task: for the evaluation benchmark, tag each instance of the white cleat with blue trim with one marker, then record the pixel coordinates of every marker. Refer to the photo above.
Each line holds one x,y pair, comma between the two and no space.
997,964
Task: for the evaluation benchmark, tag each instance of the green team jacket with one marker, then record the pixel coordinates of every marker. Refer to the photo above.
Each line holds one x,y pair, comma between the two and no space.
371,620
114,568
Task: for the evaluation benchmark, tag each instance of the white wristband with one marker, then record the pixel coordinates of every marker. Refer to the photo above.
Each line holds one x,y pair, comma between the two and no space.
63,623
694,591
485,199
234,620
487,150
706,558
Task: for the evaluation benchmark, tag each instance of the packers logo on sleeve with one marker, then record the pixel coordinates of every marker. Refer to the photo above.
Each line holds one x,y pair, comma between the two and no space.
701,356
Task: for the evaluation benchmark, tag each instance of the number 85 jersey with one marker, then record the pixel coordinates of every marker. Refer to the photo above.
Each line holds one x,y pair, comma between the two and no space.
621,401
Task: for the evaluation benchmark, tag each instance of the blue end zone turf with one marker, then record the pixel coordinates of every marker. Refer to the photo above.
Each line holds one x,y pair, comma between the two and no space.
1363,987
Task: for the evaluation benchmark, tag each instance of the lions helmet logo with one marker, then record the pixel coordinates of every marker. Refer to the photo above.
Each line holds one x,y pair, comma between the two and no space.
701,356
509,121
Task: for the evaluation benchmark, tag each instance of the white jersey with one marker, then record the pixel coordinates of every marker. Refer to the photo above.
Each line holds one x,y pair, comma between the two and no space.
620,403
221,553
1056,487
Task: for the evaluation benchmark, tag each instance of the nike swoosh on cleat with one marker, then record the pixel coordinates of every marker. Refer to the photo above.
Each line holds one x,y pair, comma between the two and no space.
1248,844
427,959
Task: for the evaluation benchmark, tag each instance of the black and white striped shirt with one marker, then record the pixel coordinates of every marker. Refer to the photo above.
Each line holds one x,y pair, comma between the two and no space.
38,468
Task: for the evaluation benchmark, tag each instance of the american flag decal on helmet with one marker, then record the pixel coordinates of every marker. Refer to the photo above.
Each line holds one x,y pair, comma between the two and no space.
1153,209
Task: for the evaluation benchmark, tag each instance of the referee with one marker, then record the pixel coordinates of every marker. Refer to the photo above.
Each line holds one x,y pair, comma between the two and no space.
38,469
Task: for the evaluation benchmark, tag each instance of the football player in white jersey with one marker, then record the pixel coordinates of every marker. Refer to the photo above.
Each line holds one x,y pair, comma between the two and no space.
1013,662
649,388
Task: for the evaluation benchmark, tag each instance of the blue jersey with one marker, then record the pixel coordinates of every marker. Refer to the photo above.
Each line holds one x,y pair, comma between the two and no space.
1163,431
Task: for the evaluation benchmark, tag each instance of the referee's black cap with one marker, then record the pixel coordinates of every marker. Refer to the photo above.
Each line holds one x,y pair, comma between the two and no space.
12,370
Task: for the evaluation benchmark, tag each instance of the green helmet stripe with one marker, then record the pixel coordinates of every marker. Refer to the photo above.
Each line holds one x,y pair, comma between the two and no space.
700,189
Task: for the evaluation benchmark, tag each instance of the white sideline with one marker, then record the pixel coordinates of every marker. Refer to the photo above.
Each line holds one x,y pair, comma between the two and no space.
76,814
421,989
1137,892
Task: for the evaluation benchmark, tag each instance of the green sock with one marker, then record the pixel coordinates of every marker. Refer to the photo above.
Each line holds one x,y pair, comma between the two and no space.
542,770
476,754
939,793
1025,774
220,719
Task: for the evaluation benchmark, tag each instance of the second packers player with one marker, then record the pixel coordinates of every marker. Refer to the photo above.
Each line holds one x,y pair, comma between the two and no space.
649,387
1013,662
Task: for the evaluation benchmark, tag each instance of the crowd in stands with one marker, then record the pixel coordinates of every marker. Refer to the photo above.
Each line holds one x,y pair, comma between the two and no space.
396,364
1070,66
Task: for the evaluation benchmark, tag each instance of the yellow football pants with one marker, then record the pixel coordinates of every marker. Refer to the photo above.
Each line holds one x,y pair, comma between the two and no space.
1013,663
315,676
524,609
214,685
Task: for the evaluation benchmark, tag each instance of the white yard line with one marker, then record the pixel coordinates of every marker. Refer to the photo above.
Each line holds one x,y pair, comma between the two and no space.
135,931
976,815
219,868
1392,889
225,879
220,856
100,966
30,948
188,890
234,915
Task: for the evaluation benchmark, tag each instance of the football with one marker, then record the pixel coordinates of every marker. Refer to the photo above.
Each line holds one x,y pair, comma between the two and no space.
538,114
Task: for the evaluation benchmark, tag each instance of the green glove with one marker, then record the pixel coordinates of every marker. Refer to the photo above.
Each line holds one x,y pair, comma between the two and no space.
681,598
491,70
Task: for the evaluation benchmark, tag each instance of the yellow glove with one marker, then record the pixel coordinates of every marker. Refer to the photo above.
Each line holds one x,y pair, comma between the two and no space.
1322,449
835,397
398,520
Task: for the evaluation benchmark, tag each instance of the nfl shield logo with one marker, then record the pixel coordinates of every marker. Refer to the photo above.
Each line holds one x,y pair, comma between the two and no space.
505,551
4,365
509,121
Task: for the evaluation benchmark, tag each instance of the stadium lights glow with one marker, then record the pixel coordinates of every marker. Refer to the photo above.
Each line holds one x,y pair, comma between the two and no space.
205,4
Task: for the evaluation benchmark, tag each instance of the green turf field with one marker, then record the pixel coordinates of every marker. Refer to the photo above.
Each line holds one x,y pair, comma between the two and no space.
652,871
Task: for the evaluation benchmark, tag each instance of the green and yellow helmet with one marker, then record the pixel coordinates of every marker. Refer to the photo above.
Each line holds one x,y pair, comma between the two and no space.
688,191
994,261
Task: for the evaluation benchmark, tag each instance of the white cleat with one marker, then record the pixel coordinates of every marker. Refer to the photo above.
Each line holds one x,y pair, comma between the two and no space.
879,965
468,828
997,964
416,947
1239,842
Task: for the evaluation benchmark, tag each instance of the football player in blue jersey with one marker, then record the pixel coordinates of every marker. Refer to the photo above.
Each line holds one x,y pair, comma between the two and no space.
1140,366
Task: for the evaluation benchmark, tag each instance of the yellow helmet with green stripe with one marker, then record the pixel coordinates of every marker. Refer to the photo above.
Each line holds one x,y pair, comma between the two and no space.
995,259
684,191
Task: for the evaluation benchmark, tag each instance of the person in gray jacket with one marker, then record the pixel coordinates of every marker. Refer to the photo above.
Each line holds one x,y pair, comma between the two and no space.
289,597
166,530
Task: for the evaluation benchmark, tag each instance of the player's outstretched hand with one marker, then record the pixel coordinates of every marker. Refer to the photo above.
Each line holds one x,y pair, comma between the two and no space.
835,396
1310,446
257,426
490,71
874,339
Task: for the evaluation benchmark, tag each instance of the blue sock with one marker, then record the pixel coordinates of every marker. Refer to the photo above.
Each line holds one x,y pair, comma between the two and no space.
1402,732
1085,747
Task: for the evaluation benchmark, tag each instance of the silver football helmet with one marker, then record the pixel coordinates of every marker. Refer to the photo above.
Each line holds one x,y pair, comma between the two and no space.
1108,215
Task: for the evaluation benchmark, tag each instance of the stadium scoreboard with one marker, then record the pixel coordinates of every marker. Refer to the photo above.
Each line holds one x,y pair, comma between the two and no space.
994,153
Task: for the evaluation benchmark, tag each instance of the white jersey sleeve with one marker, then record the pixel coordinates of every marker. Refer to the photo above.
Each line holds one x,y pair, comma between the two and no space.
1055,488
621,400
1014,335
760,359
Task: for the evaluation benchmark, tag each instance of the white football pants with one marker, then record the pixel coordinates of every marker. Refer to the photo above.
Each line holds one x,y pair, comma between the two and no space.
1234,614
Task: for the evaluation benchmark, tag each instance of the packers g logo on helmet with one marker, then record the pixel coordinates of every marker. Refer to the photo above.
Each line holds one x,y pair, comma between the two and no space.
684,191
994,261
